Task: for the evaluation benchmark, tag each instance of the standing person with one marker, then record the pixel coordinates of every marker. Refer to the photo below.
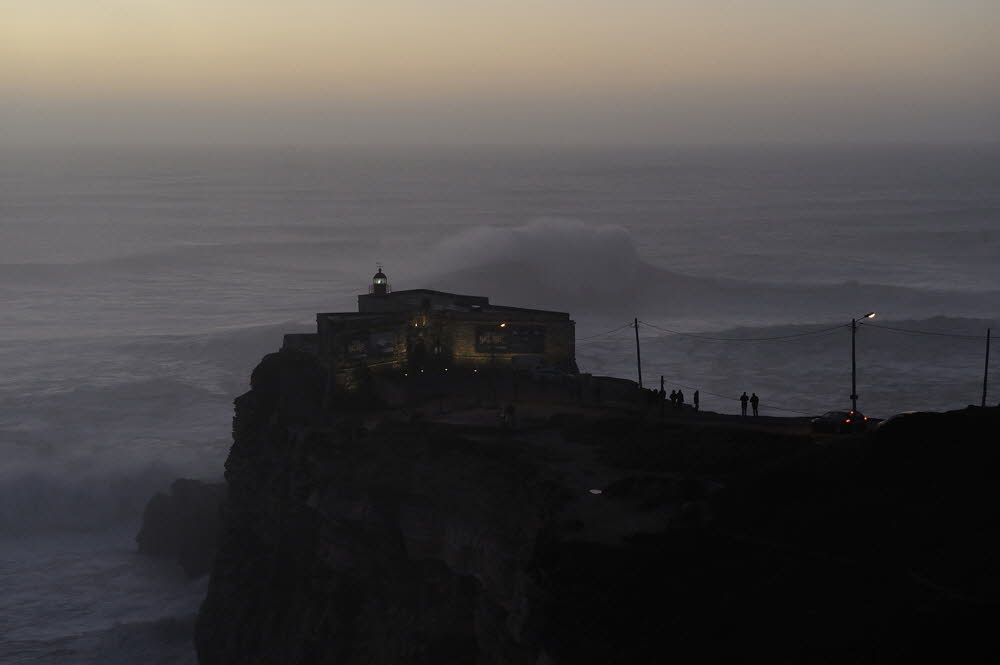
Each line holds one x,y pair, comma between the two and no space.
754,401
509,413
743,402
696,400
680,398
673,398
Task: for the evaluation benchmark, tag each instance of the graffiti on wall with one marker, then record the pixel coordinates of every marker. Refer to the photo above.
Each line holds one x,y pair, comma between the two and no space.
510,339
370,345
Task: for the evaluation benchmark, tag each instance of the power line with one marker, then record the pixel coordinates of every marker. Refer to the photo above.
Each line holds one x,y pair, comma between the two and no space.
606,332
807,333
910,331
745,339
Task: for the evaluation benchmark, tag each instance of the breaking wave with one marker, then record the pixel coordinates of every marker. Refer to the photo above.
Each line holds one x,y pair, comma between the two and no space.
596,270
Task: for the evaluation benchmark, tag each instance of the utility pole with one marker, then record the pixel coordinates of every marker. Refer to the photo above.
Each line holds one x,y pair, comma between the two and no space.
638,356
661,397
986,369
854,367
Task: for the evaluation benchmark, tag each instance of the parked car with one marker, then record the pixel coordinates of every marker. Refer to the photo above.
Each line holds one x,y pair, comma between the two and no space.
906,418
840,422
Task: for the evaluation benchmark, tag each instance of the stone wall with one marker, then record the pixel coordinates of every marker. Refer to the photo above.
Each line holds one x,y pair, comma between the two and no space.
303,342
437,340
559,349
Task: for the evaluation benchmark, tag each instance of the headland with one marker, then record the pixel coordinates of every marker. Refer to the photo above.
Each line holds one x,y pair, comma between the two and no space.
404,516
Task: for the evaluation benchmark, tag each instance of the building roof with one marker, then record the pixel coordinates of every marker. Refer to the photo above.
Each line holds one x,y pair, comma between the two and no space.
437,301
412,292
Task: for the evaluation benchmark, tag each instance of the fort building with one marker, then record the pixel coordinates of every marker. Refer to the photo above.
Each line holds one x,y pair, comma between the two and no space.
422,329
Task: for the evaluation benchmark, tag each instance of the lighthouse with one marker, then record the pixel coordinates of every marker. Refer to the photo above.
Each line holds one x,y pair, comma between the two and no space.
380,283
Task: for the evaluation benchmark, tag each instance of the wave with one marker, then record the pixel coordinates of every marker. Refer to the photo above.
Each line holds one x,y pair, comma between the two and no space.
593,270
66,497
164,641
92,456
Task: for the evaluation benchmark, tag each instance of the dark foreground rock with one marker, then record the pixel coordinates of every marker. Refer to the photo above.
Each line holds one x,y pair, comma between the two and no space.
371,538
183,525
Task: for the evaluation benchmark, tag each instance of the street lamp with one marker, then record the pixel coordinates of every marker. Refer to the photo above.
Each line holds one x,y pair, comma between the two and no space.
854,366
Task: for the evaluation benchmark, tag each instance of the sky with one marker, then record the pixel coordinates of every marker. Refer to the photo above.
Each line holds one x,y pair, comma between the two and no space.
491,71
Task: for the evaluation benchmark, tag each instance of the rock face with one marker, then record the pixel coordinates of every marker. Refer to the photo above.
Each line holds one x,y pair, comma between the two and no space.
392,544
183,525
375,537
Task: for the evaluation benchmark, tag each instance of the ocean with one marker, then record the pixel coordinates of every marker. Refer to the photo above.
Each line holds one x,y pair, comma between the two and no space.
140,286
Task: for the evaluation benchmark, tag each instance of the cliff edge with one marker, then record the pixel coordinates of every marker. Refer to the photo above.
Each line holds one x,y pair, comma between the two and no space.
605,535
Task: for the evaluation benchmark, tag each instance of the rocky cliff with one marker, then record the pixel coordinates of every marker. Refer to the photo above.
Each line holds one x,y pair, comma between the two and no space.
182,525
611,536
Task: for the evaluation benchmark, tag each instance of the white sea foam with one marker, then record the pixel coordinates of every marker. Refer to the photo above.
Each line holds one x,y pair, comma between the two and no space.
563,256
597,271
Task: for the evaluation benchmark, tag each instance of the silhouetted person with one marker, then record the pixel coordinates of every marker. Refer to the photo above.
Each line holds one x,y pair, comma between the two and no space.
663,395
754,401
680,398
417,354
696,400
743,402
673,397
